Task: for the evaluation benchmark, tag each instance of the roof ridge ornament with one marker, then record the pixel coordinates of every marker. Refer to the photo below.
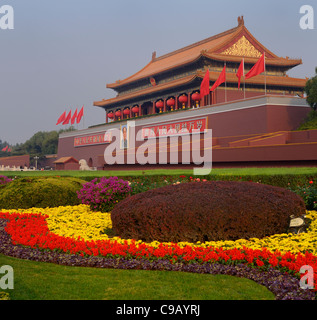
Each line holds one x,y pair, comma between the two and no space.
240,21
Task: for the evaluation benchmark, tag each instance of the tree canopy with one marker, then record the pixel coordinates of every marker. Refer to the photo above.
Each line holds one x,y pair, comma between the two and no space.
40,144
311,91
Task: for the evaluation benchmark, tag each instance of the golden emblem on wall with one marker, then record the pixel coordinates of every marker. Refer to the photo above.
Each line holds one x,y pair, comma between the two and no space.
243,48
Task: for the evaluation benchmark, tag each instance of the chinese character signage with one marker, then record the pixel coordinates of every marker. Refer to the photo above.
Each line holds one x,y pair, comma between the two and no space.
175,128
100,138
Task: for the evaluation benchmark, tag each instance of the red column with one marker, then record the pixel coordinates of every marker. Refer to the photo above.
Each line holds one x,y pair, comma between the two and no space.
189,100
164,107
202,101
140,111
154,111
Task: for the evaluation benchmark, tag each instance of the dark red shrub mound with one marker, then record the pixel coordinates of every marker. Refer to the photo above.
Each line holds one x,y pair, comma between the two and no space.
205,211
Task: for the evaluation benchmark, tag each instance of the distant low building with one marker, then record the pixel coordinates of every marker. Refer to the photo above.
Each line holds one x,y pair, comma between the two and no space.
66,163
16,161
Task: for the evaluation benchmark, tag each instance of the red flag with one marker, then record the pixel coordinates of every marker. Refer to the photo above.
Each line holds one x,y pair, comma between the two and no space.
5,148
204,87
61,118
66,121
72,121
240,72
258,68
220,80
80,114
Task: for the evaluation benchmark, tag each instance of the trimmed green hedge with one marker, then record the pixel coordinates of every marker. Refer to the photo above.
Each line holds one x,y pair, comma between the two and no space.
24,193
278,180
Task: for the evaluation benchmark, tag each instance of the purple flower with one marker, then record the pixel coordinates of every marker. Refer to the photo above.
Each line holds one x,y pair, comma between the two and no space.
103,193
4,180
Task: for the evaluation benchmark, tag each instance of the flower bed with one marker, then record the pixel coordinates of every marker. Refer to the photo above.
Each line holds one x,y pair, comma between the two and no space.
79,235
80,221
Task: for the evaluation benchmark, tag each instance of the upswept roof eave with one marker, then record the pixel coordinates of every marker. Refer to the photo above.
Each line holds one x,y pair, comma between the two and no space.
119,83
175,83
125,81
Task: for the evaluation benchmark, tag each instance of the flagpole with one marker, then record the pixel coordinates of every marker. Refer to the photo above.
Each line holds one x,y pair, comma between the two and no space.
243,81
244,88
264,73
226,84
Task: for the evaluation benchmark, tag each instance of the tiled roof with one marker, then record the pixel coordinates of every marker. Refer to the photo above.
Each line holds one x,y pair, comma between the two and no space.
211,48
65,159
149,90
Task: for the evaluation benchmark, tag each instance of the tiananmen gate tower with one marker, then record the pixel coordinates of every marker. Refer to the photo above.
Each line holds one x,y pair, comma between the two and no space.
253,125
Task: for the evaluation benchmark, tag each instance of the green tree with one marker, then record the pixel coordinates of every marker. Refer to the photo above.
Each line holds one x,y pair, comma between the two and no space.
40,144
311,91
3,144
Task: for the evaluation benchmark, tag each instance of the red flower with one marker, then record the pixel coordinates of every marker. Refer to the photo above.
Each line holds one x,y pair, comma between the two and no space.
259,263
311,181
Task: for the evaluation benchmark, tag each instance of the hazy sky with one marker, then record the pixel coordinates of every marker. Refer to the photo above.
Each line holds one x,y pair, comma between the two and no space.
62,53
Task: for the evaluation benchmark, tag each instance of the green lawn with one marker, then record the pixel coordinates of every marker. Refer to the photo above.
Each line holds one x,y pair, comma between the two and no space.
44,281
229,171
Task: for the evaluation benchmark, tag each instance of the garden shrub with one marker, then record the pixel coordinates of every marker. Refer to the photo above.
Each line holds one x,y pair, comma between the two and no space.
101,194
206,211
24,193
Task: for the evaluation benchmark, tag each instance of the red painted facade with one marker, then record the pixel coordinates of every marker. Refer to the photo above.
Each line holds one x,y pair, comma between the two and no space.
239,129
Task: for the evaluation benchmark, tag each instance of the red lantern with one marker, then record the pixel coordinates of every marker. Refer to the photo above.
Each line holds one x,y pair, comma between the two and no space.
196,97
126,111
110,115
135,109
183,100
171,103
159,104
118,114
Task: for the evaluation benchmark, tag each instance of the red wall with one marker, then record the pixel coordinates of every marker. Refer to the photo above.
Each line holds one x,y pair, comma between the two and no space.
235,125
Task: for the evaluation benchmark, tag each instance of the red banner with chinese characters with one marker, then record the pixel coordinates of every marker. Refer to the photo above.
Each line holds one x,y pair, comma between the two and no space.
175,128
93,139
